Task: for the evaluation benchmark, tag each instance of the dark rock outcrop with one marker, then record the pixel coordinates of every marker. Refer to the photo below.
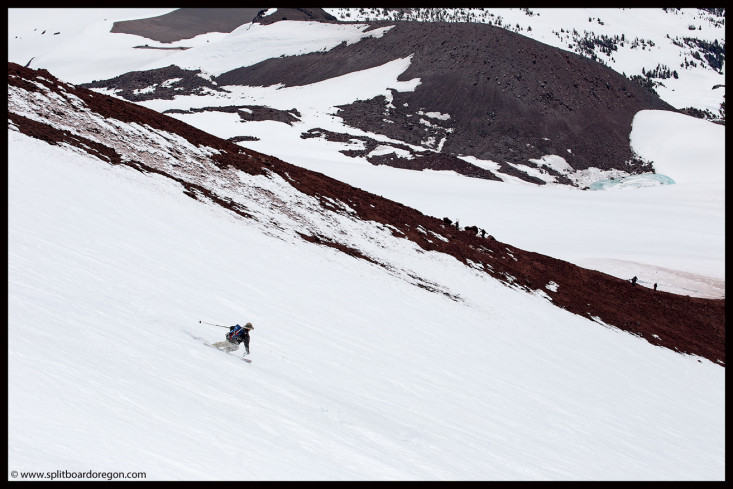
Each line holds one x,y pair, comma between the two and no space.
162,83
306,14
185,23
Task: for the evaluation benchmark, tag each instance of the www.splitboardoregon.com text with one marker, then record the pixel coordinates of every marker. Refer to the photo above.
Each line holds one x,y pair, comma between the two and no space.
68,474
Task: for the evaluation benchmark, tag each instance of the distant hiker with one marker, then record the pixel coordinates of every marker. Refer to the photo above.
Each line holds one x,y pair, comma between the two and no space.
237,334
655,286
633,280
483,233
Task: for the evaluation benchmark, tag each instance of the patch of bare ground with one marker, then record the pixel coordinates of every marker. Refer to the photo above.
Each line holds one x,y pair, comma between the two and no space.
303,14
247,113
160,83
162,48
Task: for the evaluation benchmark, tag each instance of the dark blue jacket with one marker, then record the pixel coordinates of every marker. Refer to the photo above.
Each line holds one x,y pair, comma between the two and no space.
238,334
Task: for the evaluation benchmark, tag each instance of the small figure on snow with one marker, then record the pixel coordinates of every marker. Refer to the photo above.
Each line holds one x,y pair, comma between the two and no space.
633,280
237,334
655,286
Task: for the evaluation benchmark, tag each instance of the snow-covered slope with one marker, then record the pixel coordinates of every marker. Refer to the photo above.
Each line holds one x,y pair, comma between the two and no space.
357,373
255,42
77,43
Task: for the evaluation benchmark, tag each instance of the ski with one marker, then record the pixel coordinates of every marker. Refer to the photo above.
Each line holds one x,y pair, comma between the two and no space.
205,342
228,352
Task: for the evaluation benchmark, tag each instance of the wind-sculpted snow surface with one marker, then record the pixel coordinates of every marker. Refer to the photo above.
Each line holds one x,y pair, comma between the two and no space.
292,203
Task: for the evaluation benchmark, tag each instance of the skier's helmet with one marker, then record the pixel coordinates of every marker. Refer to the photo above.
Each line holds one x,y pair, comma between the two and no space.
249,326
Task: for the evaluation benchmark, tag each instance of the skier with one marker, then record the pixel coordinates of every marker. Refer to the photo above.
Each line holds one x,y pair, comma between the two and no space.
236,335
633,280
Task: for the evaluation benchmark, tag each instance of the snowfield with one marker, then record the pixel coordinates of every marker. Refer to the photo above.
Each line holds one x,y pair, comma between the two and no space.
695,153
84,48
256,42
356,375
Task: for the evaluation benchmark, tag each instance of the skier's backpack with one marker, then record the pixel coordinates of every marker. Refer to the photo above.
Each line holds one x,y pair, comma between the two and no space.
232,335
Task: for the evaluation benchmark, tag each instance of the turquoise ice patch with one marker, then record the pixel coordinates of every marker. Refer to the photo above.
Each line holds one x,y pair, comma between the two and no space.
632,181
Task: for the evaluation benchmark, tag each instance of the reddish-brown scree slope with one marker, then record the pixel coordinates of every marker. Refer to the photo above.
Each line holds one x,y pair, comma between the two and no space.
681,323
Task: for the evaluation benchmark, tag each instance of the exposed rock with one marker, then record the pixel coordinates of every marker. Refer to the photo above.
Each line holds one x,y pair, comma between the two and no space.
185,23
247,112
160,83
305,14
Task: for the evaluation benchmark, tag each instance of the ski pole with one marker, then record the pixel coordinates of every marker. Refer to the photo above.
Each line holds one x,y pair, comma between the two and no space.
212,324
